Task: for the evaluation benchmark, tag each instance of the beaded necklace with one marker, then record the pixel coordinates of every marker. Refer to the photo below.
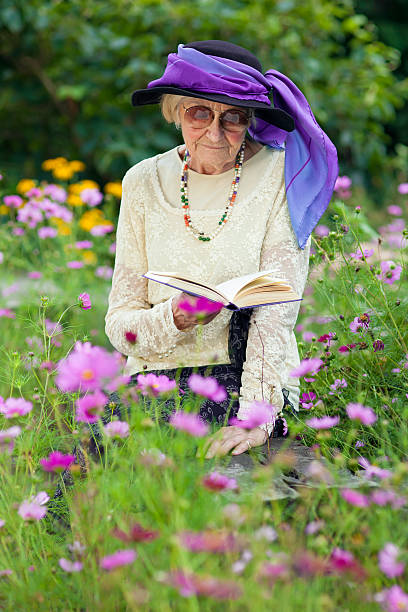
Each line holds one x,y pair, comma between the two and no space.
231,198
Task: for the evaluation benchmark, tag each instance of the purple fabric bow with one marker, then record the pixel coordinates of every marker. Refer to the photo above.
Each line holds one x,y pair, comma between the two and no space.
311,166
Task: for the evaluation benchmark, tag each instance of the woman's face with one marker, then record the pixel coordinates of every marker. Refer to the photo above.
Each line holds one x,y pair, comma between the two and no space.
213,149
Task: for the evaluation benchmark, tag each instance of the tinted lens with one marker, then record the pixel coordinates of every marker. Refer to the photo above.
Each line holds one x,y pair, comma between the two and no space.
199,116
233,120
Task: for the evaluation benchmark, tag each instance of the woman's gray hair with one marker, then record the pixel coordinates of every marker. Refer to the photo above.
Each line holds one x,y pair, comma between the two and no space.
169,105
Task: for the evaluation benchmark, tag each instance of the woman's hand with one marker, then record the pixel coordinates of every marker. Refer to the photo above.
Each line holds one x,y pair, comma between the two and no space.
228,438
183,320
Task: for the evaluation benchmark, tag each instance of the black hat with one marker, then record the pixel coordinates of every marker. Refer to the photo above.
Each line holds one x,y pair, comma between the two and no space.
220,48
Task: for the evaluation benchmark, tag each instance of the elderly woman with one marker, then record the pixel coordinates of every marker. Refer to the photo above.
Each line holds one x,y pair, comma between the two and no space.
241,194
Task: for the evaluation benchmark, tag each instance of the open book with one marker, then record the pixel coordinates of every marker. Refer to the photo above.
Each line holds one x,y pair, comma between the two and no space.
257,289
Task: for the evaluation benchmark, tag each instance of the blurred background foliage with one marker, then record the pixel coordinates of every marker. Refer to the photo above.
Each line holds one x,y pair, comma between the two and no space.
68,68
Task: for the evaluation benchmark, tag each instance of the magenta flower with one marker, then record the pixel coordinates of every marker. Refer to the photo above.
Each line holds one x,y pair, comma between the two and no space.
258,413
69,566
307,366
90,407
34,274
395,210
57,462
306,400
190,423
403,188
359,500
13,201
219,482
207,386
383,497
92,197
373,470
345,348
118,559
101,230
2,523
15,406
189,584
7,313
33,509
55,192
209,541
75,265
341,559
131,337
84,301
364,414
362,253
152,385
327,338
378,345
342,182
313,527
105,272
47,232
117,429
388,561
7,437
390,272
201,307
325,422
393,599
83,244
87,368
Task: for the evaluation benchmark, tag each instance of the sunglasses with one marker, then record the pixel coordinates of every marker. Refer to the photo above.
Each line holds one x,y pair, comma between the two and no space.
201,117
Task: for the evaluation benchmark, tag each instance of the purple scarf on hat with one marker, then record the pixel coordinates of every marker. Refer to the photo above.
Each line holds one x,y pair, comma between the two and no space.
311,165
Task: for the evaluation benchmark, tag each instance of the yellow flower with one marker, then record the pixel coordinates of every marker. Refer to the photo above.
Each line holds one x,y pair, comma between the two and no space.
74,200
25,185
63,172
62,227
90,218
78,187
50,164
77,166
114,189
4,210
89,257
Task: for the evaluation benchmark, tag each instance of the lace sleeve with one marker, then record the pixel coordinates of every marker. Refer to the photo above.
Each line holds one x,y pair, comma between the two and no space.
129,309
264,370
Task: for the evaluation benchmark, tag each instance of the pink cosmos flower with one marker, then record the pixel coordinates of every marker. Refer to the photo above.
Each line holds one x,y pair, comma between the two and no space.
47,232
55,192
257,414
90,407
105,272
152,385
388,561
137,533
364,414
359,500
57,462
201,306
13,201
84,301
307,366
360,323
313,527
395,210
34,274
7,437
327,338
393,599
339,383
18,231
2,523
306,400
272,571
112,248
325,422
383,497
69,566
87,368
373,470
209,541
101,230
362,253
190,423
33,509
1,257
7,313
308,336
75,265
189,584
15,406
403,188
118,559
345,348
92,197
6,572
207,386
390,272
218,482
83,244
117,429
131,337
342,182
321,230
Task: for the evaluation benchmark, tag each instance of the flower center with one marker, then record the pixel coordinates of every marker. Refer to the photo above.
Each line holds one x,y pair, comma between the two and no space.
87,374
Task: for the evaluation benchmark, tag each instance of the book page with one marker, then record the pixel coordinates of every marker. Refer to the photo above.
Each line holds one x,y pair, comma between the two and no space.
266,297
232,287
190,286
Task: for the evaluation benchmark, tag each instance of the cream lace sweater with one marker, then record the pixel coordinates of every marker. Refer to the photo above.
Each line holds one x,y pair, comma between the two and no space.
151,235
